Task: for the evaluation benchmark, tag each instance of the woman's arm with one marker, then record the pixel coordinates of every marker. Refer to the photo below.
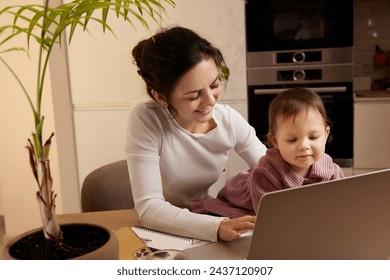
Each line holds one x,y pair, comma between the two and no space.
143,144
248,145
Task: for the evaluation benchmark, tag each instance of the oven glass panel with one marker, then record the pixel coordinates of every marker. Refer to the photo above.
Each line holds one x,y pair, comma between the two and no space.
298,24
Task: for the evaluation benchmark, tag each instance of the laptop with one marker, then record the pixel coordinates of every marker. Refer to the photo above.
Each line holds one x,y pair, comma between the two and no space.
347,218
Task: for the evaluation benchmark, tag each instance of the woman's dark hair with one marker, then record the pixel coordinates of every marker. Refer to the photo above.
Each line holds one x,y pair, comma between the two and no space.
166,57
290,103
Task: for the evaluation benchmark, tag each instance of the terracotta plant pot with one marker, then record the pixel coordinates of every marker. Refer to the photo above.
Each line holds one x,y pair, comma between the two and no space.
80,242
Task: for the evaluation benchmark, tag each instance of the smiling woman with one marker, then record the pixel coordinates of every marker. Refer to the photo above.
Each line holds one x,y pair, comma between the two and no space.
178,143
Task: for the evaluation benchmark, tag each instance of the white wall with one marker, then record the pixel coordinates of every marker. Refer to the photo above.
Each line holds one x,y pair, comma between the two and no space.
104,86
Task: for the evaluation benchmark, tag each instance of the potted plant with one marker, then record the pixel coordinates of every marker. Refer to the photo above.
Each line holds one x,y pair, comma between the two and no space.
45,25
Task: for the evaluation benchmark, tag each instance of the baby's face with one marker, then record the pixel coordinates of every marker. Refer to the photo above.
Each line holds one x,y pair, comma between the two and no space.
301,139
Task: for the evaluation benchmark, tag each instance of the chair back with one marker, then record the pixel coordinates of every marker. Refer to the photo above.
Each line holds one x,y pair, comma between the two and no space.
107,188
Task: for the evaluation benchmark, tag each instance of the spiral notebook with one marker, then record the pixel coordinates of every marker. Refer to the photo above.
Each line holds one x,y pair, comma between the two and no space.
162,240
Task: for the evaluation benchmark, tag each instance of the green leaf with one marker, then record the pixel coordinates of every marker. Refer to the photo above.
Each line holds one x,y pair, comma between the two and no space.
118,6
37,146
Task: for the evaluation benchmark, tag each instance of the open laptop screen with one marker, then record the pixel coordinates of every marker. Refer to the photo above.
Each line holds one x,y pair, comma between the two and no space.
341,219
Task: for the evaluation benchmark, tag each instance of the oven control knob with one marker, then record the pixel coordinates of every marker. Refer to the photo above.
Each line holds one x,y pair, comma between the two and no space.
299,57
299,75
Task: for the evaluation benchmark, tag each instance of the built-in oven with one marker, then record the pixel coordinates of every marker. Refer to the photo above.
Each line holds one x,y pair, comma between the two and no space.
302,43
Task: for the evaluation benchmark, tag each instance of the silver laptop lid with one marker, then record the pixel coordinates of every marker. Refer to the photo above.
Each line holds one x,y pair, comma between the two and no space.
341,219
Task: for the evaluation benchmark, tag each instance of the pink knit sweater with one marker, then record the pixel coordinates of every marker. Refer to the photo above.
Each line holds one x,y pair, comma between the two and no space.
241,194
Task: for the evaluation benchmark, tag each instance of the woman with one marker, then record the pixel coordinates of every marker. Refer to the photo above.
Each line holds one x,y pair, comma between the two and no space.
178,143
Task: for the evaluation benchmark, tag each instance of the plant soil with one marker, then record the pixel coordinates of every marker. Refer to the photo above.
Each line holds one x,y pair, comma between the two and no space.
78,239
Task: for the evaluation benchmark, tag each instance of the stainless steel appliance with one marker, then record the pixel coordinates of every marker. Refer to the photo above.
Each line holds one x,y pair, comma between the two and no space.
281,56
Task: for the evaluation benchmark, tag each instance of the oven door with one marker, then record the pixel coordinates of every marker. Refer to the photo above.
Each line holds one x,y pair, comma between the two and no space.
338,101
273,25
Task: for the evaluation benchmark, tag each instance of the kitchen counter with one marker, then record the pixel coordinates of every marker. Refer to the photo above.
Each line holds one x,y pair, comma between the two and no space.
372,95
371,130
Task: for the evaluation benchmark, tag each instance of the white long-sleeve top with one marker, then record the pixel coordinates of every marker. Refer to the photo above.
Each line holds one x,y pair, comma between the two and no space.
169,165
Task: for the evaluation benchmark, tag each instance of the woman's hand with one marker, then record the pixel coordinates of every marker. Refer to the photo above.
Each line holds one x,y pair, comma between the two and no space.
230,229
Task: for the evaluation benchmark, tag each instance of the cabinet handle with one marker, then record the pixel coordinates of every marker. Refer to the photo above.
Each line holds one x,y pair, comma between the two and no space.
315,89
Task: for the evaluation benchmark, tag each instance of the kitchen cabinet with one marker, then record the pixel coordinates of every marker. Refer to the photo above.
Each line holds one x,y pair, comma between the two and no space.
371,131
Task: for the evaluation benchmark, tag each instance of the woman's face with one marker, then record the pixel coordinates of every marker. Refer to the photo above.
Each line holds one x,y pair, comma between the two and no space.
195,95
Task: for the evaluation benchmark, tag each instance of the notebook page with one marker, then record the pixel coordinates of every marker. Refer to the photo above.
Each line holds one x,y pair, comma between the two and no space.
161,240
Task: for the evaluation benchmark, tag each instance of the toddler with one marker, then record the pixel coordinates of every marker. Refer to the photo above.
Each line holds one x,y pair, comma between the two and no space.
298,131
